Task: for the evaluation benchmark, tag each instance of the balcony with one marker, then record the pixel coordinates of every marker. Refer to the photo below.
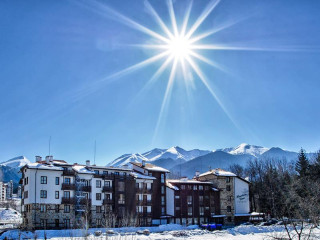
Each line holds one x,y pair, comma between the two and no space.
98,175
107,189
144,202
108,176
67,200
144,190
107,201
68,186
145,214
68,173
85,201
85,188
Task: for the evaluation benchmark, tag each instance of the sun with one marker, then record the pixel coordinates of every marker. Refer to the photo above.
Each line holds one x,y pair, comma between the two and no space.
179,47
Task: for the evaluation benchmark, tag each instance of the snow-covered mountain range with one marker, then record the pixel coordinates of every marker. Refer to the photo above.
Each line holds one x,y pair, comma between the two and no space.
176,155
16,162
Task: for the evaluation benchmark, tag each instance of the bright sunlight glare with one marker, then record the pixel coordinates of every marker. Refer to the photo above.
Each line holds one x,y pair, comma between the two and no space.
179,47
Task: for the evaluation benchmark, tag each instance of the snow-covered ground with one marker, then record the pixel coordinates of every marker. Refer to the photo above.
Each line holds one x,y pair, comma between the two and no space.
168,232
9,215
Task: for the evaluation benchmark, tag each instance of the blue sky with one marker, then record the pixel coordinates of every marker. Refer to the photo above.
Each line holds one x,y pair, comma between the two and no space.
55,54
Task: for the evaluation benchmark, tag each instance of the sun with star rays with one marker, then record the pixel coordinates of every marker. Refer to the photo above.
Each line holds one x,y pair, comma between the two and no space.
177,46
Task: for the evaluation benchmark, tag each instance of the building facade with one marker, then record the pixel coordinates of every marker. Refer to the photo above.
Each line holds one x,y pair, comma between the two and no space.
191,201
56,194
3,195
75,195
234,195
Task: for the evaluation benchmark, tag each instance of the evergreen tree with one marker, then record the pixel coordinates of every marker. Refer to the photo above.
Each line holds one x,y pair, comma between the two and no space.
302,165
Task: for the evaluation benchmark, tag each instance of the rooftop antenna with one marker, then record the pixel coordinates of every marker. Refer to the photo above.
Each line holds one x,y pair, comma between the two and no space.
49,145
95,149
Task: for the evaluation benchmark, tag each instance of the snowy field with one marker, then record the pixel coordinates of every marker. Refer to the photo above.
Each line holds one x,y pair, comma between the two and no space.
167,232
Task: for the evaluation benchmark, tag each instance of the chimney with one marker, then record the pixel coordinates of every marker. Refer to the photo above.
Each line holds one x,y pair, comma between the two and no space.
51,159
143,163
47,159
197,173
38,159
88,163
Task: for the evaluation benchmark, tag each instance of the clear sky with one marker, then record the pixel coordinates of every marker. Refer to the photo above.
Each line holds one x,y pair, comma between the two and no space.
57,57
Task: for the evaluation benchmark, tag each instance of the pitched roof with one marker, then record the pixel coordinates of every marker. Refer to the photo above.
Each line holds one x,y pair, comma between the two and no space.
150,167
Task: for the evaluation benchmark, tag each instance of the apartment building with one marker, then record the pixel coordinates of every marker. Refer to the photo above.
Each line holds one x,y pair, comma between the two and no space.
234,194
192,202
158,192
2,192
56,194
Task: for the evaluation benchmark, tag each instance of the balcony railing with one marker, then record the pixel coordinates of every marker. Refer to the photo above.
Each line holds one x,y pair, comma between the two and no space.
108,176
68,173
85,201
145,214
144,202
107,201
144,190
68,186
85,188
67,200
107,189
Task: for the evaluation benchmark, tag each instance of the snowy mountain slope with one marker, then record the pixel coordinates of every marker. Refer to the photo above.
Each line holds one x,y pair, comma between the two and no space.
127,158
245,148
173,153
16,162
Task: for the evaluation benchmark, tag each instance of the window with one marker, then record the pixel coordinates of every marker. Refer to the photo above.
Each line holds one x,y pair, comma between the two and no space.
108,196
195,187
98,209
43,180
163,211
183,187
43,223
189,211
66,223
200,187
43,194
121,199
189,199
228,188
43,208
228,179
96,172
57,180
201,211
56,221
105,173
162,178
200,199
150,174
66,208
162,189
98,222
206,188
121,186
67,180
116,173
57,194
25,194
107,184
177,196
229,198
66,194
98,196
228,208
189,187
177,208
162,200
98,183
57,208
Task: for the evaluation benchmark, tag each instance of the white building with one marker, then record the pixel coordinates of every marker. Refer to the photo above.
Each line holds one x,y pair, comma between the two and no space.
2,191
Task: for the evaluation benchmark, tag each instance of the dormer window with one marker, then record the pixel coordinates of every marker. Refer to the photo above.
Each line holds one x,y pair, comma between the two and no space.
96,172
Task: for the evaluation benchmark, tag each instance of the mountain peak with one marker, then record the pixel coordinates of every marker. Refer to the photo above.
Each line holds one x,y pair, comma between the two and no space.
16,162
